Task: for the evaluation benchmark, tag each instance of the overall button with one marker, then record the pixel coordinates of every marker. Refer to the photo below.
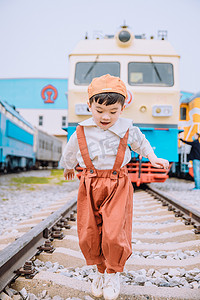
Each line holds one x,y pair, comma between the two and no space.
91,171
114,172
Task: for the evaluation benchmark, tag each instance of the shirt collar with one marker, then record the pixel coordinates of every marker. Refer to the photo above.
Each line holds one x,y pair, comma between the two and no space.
119,128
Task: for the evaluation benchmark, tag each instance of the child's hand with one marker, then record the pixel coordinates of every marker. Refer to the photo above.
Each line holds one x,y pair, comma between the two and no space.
69,174
158,162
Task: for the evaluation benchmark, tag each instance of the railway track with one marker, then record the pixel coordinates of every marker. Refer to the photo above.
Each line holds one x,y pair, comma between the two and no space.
165,263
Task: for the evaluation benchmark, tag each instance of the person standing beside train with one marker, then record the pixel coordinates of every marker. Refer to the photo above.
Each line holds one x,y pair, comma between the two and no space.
105,196
194,155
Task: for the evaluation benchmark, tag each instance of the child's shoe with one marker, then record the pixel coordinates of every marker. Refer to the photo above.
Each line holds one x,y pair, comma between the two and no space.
97,284
111,288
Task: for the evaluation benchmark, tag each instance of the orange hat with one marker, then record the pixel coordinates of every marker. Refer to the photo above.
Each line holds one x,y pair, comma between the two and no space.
107,84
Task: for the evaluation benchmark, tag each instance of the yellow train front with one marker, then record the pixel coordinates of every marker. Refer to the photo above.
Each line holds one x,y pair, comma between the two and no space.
189,123
150,70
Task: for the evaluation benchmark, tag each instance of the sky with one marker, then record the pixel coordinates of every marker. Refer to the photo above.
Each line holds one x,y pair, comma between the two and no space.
36,36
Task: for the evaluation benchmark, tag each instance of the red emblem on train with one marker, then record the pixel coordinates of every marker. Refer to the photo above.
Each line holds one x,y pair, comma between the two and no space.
49,93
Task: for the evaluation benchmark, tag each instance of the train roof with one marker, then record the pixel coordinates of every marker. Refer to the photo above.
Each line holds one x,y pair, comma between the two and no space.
38,130
138,47
15,113
190,98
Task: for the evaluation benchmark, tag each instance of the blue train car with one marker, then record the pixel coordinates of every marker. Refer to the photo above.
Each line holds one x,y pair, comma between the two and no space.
16,139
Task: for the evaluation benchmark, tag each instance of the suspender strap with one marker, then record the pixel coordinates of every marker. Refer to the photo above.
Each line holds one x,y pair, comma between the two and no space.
83,147
121,152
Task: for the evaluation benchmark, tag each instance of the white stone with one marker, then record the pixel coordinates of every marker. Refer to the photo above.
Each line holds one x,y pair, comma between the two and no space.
87,297
197,277
183,281
161,282
57,298
173,272
54,268
38,263
140,279
43,294
87,268
182,271
134,241
146,253
132,273
4,296
24,293
10,291
157,274
166,277
16,297
164,271
194,272
148,283
189,277
195,285
163,254
48,264
182,255
142,272
150,272
174,281
32,297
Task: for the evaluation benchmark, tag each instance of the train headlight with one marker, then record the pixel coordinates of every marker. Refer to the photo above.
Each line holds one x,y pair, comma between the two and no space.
124,37
158,110
162,111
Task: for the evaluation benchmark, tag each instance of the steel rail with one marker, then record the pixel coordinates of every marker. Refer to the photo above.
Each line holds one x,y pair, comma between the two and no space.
189,211
14,255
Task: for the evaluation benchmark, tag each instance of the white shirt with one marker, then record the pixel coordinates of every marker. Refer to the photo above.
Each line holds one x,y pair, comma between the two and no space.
103,144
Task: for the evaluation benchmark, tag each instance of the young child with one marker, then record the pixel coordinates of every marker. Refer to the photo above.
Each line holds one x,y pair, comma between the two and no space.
105,196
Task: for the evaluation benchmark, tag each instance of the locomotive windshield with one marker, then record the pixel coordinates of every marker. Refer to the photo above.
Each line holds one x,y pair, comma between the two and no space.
86,71
150,73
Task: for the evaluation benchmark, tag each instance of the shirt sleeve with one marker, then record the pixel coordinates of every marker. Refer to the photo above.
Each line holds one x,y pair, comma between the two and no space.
186,142
139,143
68,159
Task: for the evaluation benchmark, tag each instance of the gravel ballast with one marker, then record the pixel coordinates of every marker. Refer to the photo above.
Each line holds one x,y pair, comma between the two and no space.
20,201
181,190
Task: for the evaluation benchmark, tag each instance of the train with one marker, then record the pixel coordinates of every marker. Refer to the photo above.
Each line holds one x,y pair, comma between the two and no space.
189,124
23,146
150,70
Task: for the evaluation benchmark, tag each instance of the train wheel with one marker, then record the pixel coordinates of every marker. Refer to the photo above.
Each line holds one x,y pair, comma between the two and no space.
5,171
8,164
29,165
55,164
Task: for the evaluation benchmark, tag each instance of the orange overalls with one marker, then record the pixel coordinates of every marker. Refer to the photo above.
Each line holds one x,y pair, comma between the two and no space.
104,210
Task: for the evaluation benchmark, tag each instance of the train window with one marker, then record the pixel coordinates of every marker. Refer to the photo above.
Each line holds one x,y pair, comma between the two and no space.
40,123
183,113
86,71
150,73
64,121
